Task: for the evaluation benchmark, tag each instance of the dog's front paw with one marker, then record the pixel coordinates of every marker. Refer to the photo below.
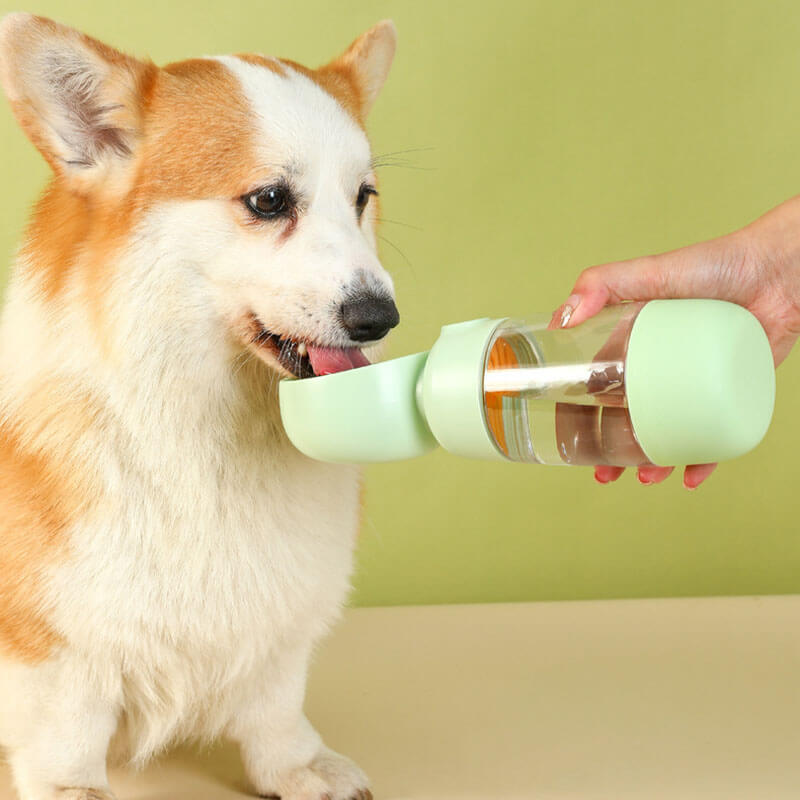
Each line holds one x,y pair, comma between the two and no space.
330,776
346,779
83,794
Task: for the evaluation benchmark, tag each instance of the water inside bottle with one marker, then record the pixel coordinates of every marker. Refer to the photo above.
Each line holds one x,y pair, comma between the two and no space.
558,396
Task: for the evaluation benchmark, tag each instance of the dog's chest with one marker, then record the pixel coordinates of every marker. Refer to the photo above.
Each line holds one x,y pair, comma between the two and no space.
224,554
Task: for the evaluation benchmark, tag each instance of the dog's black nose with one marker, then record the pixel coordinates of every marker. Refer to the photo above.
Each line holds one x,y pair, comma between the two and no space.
368,317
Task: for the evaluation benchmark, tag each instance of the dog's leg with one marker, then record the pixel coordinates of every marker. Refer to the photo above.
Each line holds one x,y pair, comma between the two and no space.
283,755
56,727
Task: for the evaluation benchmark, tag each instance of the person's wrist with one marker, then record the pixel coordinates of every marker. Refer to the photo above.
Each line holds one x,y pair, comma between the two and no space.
774,239
790,264
772,267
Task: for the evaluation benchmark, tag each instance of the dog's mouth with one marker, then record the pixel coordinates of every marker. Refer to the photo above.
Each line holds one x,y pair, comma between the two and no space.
302,358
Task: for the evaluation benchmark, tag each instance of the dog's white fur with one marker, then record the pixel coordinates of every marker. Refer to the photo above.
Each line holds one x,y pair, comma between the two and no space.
212,555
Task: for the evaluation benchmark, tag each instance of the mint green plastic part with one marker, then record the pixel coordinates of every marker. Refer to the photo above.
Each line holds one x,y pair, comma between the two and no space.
359,416
700,381
451,391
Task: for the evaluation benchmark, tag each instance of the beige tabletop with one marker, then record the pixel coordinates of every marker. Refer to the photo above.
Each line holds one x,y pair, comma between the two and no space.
604,700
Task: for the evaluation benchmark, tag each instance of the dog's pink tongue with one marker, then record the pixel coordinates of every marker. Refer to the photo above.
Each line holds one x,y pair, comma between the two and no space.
327,360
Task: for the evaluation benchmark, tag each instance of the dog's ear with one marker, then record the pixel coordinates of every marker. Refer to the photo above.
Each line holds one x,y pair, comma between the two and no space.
366,62
77,99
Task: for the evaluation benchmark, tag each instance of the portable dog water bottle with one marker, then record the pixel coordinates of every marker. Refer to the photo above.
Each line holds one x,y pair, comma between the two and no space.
665,382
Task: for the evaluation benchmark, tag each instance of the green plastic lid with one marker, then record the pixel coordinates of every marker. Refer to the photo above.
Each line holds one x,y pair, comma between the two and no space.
358,416
700,381
451,390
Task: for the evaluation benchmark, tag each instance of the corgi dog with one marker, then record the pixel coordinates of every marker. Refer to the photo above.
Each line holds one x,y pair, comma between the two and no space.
168,560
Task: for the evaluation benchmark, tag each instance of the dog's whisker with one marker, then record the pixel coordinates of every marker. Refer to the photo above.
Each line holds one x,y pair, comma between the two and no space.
380,161
408,150
405,166
380,156
397,222
394,246
395,159
243,359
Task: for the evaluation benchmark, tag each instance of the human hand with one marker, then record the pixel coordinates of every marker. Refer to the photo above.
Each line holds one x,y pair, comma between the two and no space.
757,267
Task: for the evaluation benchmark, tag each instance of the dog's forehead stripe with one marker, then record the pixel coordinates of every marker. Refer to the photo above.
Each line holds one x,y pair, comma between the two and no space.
297,116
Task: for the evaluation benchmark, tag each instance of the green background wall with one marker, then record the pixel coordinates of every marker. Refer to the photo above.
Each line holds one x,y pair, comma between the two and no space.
543,137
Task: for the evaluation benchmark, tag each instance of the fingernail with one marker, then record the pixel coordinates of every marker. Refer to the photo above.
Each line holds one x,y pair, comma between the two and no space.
643,481
573,301
690,488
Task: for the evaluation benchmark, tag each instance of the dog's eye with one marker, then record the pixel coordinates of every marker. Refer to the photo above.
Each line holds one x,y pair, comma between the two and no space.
364,191
270,202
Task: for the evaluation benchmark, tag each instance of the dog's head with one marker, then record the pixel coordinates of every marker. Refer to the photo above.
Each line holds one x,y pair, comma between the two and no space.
236,190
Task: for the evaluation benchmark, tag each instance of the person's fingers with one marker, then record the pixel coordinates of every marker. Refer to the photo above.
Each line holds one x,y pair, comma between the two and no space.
607,474
597,287
650,475
695,474
679,273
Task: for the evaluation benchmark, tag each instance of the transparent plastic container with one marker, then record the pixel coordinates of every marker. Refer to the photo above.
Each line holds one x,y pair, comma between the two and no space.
558,397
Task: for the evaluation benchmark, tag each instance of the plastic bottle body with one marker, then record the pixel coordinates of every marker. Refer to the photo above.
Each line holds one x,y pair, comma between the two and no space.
558,396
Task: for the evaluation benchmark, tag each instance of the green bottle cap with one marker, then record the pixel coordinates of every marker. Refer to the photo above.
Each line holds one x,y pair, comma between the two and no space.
451,390
700,381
